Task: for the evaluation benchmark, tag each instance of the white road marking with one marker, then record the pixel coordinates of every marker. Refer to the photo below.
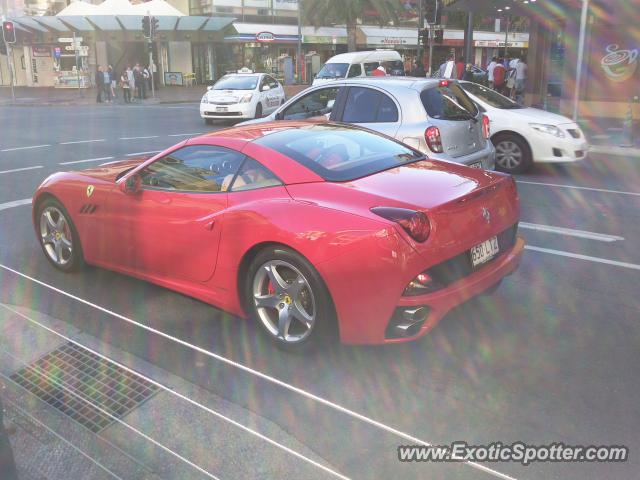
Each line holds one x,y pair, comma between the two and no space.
574,187
87,160
179,395
142,153
23,148
186,134
562,253
570,232
20,169
259,374
15,203
136,138
83,141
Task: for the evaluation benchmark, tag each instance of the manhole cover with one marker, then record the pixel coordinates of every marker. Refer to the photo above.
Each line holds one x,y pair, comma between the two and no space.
71,369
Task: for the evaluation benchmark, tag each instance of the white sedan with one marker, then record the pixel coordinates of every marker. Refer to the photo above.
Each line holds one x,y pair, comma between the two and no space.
241,96
523,135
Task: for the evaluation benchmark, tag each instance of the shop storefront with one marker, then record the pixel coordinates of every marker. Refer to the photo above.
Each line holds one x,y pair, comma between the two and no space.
403,40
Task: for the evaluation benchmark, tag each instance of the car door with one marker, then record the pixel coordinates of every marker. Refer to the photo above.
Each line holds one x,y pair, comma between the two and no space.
317,103
370,108
276,93
172,227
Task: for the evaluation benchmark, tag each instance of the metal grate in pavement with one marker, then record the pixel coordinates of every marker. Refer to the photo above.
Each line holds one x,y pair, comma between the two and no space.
71,368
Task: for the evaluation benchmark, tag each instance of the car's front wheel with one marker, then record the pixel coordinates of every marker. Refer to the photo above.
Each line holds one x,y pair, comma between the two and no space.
258,111
58,236
513,155
288,299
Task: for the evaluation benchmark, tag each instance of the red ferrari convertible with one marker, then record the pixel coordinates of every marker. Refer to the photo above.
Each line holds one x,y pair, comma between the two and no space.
310,228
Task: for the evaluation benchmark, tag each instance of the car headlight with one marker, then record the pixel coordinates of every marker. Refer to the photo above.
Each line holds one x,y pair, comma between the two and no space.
550,129
204,99
246,98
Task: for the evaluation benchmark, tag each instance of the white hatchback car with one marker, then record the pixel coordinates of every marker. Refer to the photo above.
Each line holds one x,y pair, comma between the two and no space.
524,135
241,96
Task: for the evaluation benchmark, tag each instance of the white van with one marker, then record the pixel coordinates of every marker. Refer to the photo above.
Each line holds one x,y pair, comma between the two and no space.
359,64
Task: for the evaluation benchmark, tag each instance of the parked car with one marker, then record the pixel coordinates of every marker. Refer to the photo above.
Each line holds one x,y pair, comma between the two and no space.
311,228
524,135
241,95
359,64
433,116
480,75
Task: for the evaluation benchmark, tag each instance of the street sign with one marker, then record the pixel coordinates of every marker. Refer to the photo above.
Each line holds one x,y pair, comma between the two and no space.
69,39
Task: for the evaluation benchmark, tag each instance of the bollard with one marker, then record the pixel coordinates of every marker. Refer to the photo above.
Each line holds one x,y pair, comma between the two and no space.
627,127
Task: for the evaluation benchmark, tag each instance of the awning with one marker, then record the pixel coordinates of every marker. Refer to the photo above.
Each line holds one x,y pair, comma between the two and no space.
390,37
119,23
328,35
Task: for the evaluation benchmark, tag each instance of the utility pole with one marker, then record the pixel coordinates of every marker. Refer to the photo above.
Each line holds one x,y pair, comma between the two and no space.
506,36
76,50
420,27
299,54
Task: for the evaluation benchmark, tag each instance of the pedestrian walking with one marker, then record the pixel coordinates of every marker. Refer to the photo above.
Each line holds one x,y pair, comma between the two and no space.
132,83
124,84
7,462
112,76
146,73
460,67
418,70
490,68
106,85
468,73
99,83
521,78
139,80
499,73
447,69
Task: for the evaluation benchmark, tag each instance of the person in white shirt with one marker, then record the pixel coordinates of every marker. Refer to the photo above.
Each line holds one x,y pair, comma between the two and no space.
521,77
490,69
448,68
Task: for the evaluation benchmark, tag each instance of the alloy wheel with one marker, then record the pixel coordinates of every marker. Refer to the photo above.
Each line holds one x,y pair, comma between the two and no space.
284,301
56,236
508,155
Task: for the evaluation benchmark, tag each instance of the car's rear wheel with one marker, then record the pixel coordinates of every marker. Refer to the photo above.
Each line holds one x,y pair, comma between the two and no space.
58,236
258,111
513,155
288,299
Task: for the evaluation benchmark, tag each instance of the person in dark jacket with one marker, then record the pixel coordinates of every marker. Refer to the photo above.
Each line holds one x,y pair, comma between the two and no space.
418,70
7,463
99,83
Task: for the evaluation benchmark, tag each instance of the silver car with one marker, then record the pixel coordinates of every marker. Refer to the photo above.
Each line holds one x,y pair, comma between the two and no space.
434,116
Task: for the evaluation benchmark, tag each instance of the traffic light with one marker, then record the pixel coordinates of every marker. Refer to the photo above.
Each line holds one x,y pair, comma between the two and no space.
8,32
423,34
146,26
439,36
154,25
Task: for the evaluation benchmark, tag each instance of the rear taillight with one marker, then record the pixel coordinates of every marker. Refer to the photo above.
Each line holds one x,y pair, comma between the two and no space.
433,139
416,224
444,83
486,130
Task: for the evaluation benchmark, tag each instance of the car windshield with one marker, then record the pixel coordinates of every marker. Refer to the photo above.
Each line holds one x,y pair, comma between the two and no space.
236,82
394,67
448,102
333,70
340,153
490,97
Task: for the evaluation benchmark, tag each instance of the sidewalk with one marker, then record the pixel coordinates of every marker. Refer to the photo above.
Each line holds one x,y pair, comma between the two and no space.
48,96
157,437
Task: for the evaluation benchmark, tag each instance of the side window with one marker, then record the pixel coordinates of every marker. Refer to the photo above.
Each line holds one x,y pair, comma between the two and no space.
355,71
365,105
253,175
272,82
314,104
370,67
196,168
263,82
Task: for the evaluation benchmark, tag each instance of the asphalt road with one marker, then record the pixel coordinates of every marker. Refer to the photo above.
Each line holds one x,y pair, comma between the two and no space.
551,357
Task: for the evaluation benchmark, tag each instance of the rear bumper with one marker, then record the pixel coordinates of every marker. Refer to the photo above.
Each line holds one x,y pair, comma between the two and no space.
442,301
487,156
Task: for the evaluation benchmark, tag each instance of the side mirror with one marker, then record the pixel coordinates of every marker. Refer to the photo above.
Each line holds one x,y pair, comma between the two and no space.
210,87
132,184
265,88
